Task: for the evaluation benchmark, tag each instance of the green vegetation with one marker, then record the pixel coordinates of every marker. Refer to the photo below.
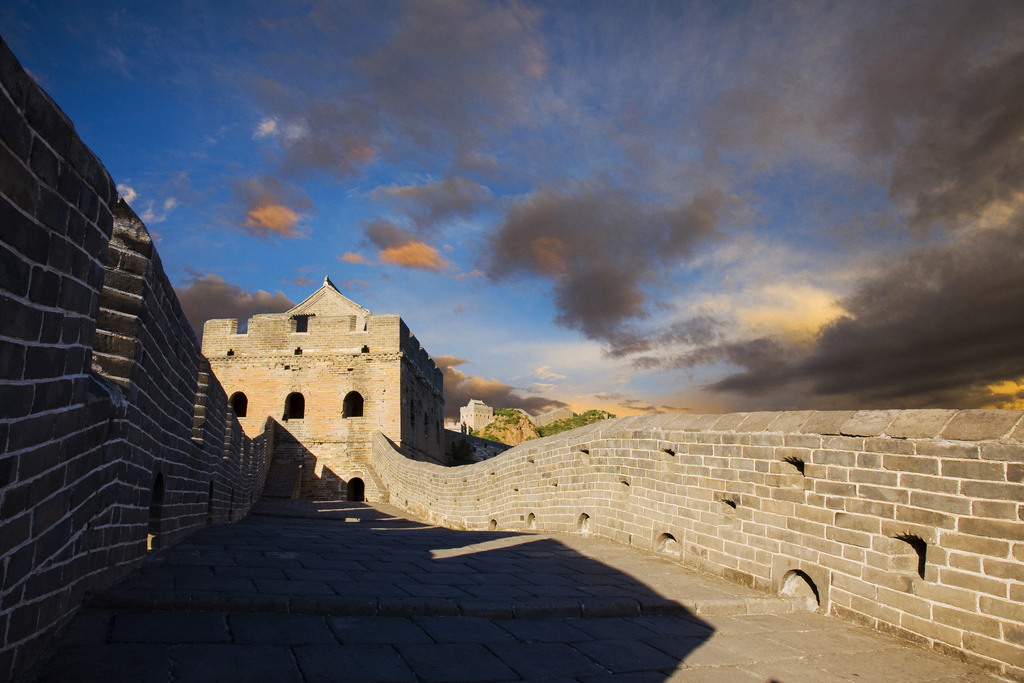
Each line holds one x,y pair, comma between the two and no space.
581,420
510,426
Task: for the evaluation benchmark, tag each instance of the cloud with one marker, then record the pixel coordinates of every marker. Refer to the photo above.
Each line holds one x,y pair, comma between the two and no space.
440,77
434,203
400,247
266,128
127,193
936,327
152,216
459,388
351,257
599,247
302,281
271,207
544,373
207,297
452,72
413,255
923,98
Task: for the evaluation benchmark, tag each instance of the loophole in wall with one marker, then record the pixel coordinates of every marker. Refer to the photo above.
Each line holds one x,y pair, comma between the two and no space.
531,521
796,463
912,554
797,584
493,526
667,545
668,451
583,523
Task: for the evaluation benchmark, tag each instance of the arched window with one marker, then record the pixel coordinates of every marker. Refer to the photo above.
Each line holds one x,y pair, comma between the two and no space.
294,407
239,403
353,405
156,509
356,489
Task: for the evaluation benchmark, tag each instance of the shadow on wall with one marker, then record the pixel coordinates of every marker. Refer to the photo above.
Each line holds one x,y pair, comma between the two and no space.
293,474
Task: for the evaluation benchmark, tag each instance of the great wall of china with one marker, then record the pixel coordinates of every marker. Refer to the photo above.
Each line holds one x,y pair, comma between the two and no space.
116,436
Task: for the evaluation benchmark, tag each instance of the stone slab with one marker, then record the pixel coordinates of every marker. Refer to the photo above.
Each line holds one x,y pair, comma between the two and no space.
919,424
981,425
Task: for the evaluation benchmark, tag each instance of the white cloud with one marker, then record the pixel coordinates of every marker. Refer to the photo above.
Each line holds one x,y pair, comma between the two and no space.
267,128
127,193
543,373
149,216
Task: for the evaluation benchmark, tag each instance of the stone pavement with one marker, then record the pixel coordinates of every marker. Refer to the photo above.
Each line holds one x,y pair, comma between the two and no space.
309,592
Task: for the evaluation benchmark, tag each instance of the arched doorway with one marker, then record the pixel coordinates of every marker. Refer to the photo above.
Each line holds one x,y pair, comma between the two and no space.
294,407
156,510
356,489
353,405
239,403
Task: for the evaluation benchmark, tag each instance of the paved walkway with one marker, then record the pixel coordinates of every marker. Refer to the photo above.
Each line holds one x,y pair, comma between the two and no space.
352,592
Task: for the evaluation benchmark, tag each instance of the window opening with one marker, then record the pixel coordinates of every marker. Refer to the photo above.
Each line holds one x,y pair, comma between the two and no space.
294,407
353,405
239,403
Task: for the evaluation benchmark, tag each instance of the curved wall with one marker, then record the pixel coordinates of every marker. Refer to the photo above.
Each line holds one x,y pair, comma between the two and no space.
911,522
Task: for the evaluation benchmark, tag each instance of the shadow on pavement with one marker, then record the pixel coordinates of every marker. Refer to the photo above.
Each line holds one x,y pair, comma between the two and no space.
351,592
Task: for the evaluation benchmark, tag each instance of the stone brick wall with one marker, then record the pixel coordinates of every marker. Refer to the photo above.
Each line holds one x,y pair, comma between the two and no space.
911,522
102,388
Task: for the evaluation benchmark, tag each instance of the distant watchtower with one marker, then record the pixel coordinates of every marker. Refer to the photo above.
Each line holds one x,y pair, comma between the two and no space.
331,373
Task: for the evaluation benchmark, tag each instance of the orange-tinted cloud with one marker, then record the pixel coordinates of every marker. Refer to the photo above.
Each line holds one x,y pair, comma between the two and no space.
414,255
401,247
272,218
350,257
272,207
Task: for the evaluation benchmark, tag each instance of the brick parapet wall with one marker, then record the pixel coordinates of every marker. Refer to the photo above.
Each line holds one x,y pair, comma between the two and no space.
99,384
845,498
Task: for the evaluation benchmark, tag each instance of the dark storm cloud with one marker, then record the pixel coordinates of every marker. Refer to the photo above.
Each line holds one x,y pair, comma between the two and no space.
599,247
208,297
933,329
928,97
459,388
942,91
434,203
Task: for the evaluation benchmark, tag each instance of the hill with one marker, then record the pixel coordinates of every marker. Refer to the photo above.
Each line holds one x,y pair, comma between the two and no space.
581,420
510,426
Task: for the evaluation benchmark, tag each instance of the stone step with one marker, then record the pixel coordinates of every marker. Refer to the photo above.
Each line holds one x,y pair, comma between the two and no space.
440,607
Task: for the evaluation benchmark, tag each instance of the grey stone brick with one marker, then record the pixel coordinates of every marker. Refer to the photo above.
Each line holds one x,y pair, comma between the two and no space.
979,425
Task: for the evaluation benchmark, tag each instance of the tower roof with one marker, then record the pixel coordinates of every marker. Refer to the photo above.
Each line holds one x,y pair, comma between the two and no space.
328,301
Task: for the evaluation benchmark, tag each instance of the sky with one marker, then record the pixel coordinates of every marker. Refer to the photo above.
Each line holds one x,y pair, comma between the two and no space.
633,206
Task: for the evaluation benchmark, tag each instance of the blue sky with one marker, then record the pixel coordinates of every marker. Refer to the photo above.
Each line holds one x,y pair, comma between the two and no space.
643,206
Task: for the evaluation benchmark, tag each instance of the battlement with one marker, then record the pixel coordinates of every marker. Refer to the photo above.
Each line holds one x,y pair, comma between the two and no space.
911,522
